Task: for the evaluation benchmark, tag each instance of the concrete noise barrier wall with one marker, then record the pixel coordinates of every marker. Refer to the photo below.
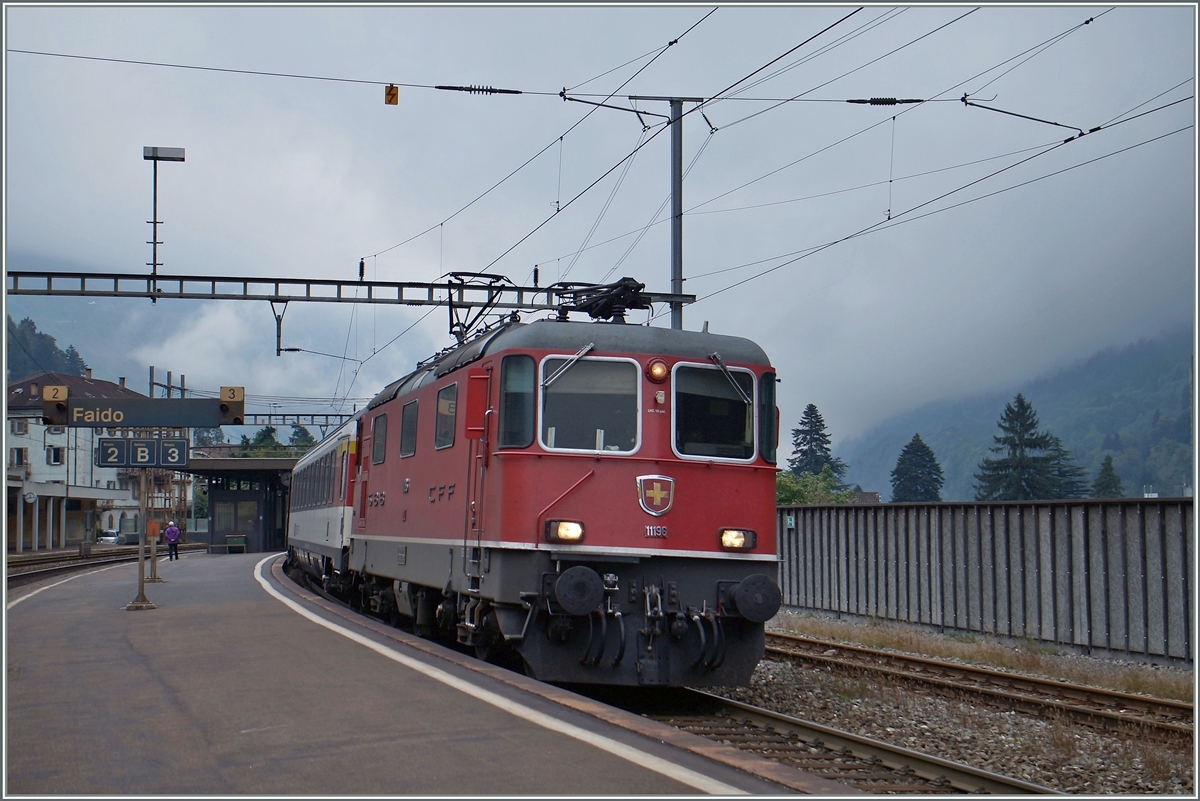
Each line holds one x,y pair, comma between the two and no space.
1101,577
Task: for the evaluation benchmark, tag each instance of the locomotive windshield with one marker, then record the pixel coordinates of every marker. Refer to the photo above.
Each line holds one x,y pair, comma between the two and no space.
711,417
591,406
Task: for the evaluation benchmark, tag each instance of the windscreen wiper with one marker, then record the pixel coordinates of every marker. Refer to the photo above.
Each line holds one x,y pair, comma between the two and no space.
719,362
550,379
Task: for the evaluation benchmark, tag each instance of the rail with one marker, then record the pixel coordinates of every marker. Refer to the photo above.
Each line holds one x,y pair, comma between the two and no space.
1094,706
863,763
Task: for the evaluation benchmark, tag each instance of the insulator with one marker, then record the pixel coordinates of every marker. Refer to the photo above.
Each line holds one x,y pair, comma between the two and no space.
883,101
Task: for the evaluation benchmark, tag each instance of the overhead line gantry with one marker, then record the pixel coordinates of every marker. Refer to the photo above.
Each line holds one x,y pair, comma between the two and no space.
461,292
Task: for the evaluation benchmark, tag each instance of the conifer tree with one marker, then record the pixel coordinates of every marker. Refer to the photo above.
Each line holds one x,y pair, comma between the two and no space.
301,437
30,351
1070,480
1107,483
1033,464
810,446
917,476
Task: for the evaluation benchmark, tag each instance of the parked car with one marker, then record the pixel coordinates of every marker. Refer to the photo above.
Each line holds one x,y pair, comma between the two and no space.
109,536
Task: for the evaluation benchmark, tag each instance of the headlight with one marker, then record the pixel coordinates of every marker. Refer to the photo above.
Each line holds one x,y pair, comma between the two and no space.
564,531
738,539
657,371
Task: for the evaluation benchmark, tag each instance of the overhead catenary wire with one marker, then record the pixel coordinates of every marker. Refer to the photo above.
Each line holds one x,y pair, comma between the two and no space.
833,192
604,209
654,217
884,225
856,69
559,138
876,124
1037,50
1113,121
694,209
849,36
661,128
293,75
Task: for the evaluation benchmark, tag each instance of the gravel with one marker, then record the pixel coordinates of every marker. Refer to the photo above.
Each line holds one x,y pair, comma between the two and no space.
1054,753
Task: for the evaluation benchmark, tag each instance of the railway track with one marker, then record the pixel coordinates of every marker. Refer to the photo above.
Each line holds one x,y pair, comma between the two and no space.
1096,707
27,569
859,763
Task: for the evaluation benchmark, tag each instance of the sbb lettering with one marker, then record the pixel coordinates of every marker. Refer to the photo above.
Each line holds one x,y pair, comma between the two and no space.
97,415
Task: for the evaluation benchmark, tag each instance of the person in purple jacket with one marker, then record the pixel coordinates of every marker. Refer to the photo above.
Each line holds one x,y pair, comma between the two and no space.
172,541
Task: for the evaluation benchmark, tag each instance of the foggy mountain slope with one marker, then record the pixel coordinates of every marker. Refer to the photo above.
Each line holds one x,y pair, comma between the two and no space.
1133,402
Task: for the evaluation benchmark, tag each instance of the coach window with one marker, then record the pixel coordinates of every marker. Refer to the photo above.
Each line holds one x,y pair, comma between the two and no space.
712,417
379,439
768,437
408,429
589,404
447,401
516,402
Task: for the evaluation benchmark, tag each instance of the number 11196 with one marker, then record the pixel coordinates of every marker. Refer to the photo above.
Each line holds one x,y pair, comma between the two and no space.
656,531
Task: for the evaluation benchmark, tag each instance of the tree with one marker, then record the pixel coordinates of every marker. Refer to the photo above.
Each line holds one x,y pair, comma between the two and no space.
204,437
810,447
301,438
1034,465
30,351
264,439
917,476
809,488
1070,480
264,444
1107,483
200,497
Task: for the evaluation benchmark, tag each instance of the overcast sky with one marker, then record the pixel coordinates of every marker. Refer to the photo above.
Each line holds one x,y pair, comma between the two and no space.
961,282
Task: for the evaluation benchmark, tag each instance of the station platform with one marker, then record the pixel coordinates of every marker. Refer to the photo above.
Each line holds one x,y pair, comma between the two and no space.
240,682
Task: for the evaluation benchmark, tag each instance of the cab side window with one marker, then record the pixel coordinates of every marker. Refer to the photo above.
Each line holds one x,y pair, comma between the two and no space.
447,403
408,429
379,439
516,402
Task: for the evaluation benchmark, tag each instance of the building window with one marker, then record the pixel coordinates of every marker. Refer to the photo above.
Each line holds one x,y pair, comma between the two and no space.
18,457
54,455
18,426
56,429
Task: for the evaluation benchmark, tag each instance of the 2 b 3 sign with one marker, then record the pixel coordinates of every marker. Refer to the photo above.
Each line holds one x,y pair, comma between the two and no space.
169,453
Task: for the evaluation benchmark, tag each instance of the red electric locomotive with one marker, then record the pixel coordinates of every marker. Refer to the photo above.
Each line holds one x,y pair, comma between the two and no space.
594,498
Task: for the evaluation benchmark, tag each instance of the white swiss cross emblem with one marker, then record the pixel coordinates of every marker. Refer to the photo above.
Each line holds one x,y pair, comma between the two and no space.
656,494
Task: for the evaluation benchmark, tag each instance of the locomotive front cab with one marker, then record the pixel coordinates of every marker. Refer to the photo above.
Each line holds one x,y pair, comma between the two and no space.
645,483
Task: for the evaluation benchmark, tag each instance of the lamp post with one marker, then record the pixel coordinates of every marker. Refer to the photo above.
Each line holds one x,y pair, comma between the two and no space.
157,154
